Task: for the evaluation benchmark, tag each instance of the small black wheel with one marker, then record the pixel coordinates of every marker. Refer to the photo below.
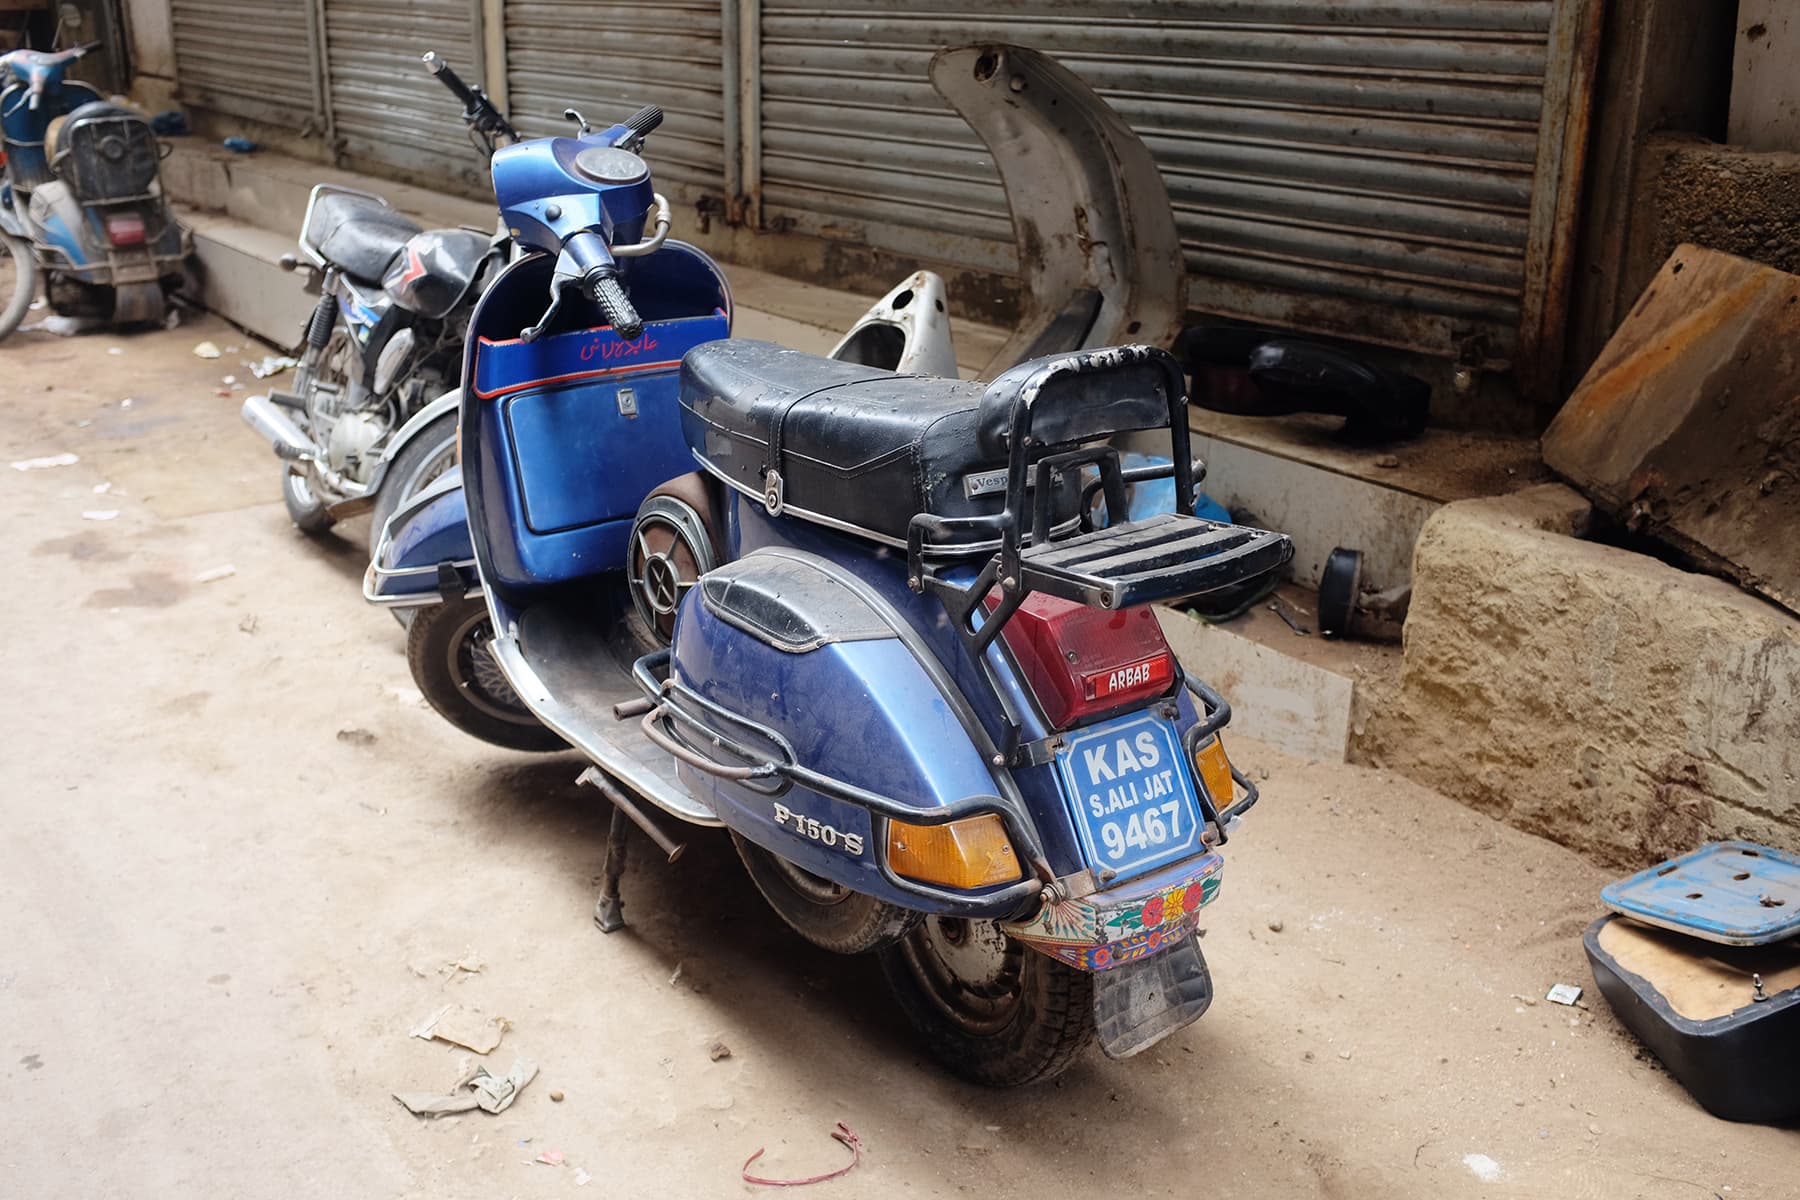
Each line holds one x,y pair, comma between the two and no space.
990,1009
447,649
827,914
428,455
308,513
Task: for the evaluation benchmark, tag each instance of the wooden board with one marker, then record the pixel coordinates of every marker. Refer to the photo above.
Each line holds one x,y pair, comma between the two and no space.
1701,981
1687,427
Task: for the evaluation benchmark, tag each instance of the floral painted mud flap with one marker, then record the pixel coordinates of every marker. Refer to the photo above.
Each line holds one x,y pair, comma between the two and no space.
1102,931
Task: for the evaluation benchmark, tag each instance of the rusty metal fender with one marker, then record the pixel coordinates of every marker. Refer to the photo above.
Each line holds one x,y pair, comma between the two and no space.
1098,249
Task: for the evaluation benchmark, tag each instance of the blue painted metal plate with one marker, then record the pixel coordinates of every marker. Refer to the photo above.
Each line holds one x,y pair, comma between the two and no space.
1735,893
1132,796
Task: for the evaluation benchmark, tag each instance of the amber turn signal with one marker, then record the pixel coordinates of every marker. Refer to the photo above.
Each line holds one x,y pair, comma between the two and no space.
1215,773
970,853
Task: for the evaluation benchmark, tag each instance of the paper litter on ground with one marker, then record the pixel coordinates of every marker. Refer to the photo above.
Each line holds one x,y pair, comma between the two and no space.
206,350
49,460
474,1088
274,364
462,1027
99,514
216,574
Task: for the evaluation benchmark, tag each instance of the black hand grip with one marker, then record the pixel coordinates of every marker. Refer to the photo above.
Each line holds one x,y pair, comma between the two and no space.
610,295
644,121
450,79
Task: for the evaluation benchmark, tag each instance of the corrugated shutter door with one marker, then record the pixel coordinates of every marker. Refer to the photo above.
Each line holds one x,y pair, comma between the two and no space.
385,106
1366,168
608,60
247,58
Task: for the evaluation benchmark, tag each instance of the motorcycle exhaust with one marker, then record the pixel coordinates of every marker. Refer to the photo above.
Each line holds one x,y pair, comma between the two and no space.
289,440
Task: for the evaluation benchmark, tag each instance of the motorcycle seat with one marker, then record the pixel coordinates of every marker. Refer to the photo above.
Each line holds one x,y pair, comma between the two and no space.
357,234
850,446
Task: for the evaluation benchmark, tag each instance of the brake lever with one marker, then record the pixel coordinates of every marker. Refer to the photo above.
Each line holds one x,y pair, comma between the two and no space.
556,298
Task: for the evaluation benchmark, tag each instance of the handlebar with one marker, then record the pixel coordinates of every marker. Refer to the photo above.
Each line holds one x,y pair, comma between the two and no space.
644,121
610,295
450,79
478,110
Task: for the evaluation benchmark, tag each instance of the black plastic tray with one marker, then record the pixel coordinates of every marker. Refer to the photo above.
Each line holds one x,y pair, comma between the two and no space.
1744,1066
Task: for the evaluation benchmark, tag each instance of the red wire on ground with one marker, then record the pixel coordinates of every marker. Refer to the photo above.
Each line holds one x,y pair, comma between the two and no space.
840,1132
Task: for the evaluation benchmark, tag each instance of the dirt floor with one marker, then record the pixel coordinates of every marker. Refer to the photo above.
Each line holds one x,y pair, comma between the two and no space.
240,860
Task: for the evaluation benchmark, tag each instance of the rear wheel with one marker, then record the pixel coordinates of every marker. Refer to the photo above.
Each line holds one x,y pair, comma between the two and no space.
18,281
827,914
990,1009
447,650
308,513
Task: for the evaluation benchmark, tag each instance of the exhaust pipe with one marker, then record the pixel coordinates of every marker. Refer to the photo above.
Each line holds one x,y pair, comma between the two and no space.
290,442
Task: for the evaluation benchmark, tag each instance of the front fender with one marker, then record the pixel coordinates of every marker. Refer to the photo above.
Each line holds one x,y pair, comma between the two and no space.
1098,248
425,536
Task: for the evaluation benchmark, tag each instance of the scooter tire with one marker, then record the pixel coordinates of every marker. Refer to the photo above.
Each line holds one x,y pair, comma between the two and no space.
411,471
309,514
443,647
829,916
1029,1028
17,252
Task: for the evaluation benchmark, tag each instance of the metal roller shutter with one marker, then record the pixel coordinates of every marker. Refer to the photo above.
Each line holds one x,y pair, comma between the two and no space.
385,106
1365,168
256,59
609,59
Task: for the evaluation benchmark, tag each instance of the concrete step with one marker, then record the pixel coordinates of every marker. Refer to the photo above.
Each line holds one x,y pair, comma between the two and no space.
237,277
1296,475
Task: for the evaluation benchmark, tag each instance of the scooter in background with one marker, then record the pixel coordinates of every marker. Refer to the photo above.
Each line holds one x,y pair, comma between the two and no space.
926,696
81,199
367,422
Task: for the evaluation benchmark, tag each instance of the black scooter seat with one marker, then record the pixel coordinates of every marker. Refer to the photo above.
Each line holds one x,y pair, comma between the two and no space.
854,447
357,234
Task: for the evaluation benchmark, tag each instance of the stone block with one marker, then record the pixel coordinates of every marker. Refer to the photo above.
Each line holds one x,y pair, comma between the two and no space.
1599,697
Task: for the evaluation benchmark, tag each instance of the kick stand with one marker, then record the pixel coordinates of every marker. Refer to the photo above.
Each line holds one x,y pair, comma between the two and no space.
609,910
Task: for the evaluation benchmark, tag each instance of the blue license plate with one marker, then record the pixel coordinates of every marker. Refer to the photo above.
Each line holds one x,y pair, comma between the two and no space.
1132,795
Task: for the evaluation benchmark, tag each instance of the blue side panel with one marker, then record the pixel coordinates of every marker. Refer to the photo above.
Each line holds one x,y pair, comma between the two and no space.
749,526
886,729
580,461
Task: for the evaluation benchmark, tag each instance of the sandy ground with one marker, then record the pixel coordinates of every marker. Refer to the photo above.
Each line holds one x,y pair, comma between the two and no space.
238,858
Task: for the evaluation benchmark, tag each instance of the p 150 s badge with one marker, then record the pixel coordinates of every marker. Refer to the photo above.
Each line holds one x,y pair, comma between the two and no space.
811,827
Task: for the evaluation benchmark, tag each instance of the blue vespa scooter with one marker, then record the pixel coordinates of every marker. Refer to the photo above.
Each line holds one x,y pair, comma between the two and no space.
81,199
924,693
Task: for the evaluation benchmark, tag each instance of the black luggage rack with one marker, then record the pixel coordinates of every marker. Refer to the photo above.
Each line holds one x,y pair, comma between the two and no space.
1126,562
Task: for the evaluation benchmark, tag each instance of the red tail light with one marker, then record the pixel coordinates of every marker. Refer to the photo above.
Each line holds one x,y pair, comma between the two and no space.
125,229
1080,661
